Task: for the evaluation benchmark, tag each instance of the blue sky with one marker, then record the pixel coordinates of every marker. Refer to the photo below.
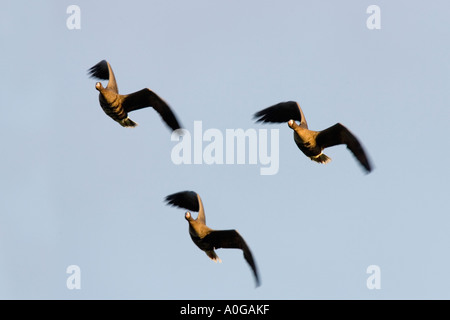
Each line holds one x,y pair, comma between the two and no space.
78,189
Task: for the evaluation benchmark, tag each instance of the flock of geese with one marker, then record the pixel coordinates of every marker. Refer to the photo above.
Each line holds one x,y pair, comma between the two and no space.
311,143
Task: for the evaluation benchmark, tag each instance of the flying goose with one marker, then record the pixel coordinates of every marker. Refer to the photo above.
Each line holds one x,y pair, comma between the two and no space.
117,106
312,143
206,238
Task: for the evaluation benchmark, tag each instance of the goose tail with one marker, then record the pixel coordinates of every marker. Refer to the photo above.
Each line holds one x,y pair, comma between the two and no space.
127,122
321,158
213,256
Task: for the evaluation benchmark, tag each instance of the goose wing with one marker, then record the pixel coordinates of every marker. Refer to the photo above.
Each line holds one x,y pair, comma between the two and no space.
338,134
184,199
233,240
103,71
282,112
147,98
189,200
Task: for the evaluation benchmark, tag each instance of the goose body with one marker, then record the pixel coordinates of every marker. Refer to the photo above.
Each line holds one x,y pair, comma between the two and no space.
312,143
205,238
118,106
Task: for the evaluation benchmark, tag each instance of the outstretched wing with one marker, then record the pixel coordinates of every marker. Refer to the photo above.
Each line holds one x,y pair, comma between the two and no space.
338,134
233,240
103,71
188,200
282,112
147,98
184,199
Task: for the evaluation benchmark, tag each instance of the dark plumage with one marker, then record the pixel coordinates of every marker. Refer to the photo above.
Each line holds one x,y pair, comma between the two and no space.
118,106
312,143
206,238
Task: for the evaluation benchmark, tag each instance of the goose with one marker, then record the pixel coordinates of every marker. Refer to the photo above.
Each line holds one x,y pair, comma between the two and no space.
118,106
312,143
208,239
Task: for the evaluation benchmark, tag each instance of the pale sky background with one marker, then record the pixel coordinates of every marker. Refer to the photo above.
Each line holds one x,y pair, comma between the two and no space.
78,189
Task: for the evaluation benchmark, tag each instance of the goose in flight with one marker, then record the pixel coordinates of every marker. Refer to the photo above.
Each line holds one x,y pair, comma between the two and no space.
118,106
312,143
206,238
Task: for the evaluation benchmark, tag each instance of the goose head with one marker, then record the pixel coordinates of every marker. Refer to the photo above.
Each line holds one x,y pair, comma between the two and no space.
188,216
292,124
98,86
